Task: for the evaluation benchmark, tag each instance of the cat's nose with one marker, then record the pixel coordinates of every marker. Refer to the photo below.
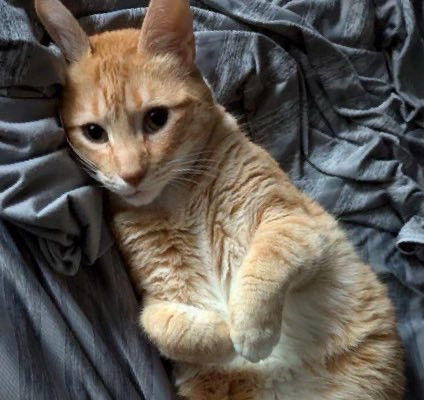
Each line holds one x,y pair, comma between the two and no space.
133,178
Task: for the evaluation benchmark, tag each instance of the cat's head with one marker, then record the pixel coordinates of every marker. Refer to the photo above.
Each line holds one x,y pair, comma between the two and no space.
135,108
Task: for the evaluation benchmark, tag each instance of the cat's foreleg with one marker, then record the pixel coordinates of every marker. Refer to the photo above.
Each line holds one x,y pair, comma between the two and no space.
284,251
186,333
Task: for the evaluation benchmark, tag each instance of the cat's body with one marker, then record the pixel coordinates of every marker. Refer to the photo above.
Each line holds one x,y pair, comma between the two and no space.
248,285
338,339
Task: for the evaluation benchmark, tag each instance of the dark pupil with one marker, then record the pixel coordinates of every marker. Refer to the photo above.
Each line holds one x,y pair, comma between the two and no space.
95,132
158,117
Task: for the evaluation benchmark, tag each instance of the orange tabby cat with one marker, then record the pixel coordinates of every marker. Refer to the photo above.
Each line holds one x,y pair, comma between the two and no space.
249,286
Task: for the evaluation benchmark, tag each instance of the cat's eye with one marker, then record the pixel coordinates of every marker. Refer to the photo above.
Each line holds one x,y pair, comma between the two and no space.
95,133
155,119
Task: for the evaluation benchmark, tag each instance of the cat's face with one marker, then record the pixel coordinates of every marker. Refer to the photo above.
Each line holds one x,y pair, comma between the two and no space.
135,108
138,121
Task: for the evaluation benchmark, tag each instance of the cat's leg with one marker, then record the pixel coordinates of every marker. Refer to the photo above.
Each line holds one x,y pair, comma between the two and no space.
222,385
187,334
285,250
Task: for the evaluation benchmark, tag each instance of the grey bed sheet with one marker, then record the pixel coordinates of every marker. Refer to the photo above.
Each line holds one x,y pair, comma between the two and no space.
334,89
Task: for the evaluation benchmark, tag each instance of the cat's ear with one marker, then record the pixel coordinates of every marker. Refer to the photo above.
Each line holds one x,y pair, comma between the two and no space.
168,29
63,28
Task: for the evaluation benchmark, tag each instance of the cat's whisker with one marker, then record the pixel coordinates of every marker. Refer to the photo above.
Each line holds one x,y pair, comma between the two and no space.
197,168
192,161
196,154
80,156
204,165
196,172
184,179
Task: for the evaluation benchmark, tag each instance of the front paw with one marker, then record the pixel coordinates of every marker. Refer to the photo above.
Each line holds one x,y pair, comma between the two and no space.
254,339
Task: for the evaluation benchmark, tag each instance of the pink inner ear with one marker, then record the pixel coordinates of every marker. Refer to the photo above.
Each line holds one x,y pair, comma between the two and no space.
168,29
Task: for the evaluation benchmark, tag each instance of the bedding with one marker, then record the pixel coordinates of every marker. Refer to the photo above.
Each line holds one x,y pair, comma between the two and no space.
333,89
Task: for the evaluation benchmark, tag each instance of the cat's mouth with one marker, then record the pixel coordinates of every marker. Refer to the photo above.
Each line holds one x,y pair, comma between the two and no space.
143,195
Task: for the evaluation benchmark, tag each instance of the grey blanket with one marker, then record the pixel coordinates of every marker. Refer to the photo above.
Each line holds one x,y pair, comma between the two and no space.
334,89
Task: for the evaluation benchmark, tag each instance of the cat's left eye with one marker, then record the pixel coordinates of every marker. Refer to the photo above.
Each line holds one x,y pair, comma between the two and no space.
155,119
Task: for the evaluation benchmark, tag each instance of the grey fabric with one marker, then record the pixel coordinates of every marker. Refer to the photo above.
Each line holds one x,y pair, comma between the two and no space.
71,338
332,88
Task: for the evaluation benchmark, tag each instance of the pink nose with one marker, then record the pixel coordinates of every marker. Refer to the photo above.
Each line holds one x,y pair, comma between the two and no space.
133,178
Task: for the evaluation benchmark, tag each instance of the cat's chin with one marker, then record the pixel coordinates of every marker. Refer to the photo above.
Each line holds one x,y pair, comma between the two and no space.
141,198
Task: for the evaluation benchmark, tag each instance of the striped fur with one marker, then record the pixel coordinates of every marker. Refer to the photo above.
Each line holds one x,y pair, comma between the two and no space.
248,286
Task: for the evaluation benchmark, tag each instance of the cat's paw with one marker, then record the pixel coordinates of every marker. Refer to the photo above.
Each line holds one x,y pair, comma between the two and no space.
254,343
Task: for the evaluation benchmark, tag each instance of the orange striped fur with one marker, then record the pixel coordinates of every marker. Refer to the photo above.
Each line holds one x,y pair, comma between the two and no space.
248,286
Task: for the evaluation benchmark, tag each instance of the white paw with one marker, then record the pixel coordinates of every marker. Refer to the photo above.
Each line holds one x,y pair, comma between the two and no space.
255,344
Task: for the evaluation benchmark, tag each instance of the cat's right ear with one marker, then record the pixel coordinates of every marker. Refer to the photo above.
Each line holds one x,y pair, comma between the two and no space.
63,28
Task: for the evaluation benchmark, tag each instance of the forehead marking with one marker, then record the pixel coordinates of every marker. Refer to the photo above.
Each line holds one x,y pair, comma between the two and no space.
136,97
95,106
97,74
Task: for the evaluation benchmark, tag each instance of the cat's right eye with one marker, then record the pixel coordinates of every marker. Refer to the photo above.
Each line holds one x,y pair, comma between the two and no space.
95,133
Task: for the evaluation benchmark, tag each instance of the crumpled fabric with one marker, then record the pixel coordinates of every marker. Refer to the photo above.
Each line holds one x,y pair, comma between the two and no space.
333,89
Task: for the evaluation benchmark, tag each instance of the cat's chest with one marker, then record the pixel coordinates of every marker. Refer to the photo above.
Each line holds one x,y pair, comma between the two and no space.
189,256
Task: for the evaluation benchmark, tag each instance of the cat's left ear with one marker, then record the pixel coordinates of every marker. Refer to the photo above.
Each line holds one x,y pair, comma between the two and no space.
168,29
63,28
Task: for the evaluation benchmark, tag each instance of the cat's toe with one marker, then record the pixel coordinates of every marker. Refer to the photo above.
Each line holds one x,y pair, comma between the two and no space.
254,344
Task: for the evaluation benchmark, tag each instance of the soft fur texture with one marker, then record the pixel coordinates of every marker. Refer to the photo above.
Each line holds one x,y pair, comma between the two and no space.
249,286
